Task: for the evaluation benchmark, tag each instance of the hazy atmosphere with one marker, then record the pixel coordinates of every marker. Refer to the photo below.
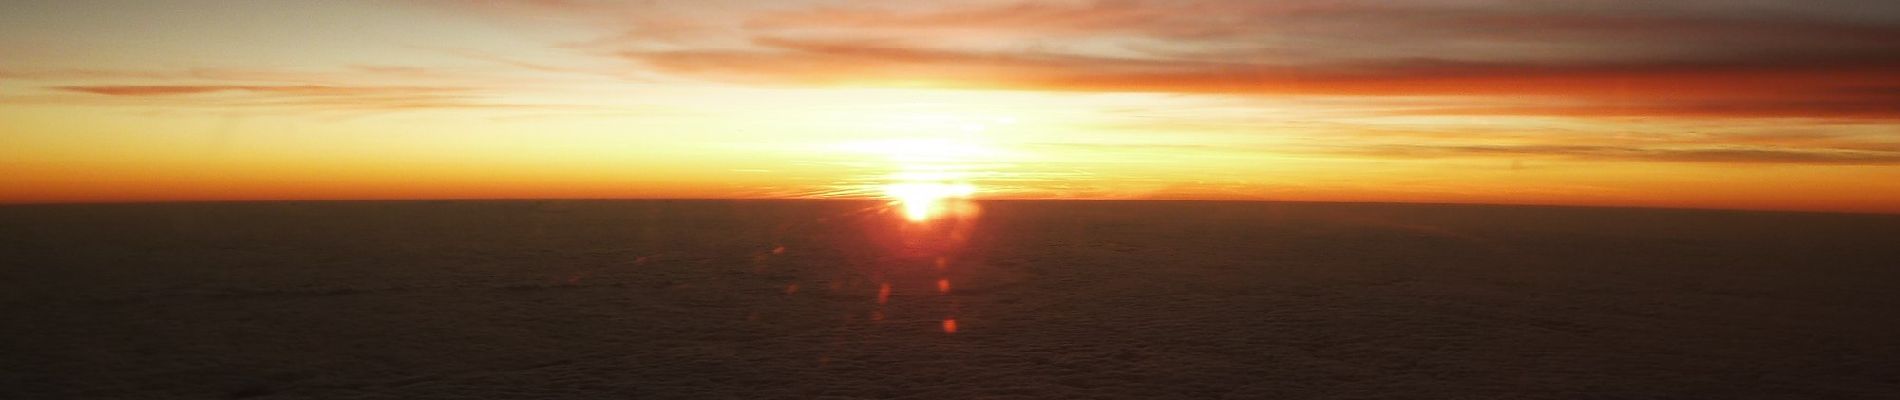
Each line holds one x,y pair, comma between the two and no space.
1785,105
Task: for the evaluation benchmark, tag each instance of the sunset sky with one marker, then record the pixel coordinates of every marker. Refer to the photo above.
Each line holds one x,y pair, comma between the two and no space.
1744,104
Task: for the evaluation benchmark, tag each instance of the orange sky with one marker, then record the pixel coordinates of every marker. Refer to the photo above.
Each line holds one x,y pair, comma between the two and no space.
1720,104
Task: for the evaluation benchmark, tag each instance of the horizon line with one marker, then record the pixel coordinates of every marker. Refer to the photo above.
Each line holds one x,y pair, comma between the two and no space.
6,203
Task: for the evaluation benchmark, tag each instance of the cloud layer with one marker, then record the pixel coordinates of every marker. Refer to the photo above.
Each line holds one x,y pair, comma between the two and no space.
1764,59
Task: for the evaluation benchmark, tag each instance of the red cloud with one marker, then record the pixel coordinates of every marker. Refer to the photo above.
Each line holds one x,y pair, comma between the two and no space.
305,90
1792,85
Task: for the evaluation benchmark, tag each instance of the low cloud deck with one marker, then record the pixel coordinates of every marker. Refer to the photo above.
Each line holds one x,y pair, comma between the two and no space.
841,299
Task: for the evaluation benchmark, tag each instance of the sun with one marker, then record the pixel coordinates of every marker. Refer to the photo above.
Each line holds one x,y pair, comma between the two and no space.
928,164
924,201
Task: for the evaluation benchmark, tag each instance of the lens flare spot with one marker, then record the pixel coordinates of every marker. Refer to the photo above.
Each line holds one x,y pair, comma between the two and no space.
943,286
950,326
883,293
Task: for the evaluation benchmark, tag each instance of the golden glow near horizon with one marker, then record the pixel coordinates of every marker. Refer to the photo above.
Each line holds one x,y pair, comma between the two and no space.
924,103
924,201
933,170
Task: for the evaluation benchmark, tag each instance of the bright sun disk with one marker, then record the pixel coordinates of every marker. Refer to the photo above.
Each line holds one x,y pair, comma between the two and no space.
922,201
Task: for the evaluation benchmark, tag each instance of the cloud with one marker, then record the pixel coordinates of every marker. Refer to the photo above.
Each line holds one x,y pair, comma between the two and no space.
1688,59
1766,86
1729,155
1309,23
1815,106
1693,59
294,90
1040,17
347,88
299,97
142,90
1720,154
1730,147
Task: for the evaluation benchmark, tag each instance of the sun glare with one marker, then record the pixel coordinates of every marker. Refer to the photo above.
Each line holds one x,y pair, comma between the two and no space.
931,167
927,201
